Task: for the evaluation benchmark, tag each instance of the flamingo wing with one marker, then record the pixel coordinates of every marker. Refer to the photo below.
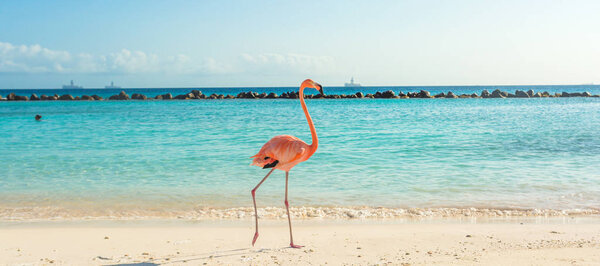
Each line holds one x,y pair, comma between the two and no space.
280,150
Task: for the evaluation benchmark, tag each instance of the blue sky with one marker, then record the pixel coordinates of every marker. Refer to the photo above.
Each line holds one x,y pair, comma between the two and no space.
279,43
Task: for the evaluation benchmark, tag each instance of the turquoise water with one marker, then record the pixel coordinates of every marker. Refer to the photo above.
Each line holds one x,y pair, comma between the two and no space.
176,155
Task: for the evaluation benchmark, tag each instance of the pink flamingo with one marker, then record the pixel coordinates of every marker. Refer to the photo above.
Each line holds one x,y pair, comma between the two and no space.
284,152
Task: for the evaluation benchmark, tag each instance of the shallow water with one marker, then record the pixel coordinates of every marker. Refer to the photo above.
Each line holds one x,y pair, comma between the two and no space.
180,155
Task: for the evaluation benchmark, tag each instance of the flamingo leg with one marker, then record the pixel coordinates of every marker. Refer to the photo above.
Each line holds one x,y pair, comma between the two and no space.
254,200
287,207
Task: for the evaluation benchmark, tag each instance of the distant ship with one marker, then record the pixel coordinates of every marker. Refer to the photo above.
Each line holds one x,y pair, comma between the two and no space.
112,86
352,84
72,86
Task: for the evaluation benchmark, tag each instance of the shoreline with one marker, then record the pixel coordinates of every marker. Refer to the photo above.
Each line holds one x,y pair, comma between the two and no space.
524,242
307,213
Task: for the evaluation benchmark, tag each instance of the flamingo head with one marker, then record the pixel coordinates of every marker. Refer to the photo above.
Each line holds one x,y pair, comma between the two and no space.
310,83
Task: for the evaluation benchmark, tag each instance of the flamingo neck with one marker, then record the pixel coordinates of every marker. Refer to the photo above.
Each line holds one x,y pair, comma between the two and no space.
313,132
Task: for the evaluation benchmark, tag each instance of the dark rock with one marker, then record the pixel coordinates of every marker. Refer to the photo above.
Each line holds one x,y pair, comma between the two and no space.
34,97
537,95
401,94
388,94
359,95
11,96
521,94
38,117
197,94
530,93
167,96
87,98
451,95
262,95
138,96
213,96
510,95
121,96
284,95
66,97
158,97
271,95
565,94
21,98
424,94
77,98
485,94
246,95
464,96
182,97
545,94
369,95
97,98
474,95
497,94
586,94
440,95
377,94
229,96
44,97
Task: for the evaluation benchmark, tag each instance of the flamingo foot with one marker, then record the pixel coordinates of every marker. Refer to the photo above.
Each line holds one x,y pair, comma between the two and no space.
255,237
295,246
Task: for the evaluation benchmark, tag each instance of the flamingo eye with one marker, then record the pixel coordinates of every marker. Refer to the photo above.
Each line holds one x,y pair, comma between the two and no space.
266,158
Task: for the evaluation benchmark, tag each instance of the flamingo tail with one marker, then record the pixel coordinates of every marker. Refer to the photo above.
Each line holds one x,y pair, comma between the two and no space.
261,160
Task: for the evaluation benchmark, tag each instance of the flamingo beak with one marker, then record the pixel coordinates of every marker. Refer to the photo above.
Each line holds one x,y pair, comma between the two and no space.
319,88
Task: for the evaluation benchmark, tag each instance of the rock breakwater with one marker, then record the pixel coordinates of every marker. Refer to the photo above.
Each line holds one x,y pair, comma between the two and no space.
388,94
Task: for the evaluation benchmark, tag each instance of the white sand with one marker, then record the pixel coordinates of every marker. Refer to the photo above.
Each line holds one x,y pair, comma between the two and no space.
557,241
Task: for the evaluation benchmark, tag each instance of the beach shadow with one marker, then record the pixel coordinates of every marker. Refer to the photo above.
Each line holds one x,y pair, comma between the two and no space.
195,257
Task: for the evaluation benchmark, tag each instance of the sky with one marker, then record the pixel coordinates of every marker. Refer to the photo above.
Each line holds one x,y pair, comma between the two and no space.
44,44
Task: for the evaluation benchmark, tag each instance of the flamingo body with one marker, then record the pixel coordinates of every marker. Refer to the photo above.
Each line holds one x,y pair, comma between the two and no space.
285,151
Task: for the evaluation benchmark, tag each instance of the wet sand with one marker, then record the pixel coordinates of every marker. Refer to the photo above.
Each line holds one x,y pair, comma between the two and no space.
527,241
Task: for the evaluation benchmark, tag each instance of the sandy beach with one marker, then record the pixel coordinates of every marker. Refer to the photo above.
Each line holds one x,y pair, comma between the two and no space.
526,241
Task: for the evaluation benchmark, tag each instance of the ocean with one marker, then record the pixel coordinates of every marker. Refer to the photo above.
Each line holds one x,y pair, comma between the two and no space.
165,158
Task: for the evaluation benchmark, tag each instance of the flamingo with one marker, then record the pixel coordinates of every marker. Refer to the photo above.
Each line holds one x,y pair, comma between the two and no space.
284,152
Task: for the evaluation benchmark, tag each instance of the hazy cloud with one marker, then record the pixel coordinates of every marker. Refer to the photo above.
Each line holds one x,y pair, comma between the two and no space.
37,59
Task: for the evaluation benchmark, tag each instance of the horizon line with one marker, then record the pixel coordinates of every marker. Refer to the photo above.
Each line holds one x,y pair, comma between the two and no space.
369,86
